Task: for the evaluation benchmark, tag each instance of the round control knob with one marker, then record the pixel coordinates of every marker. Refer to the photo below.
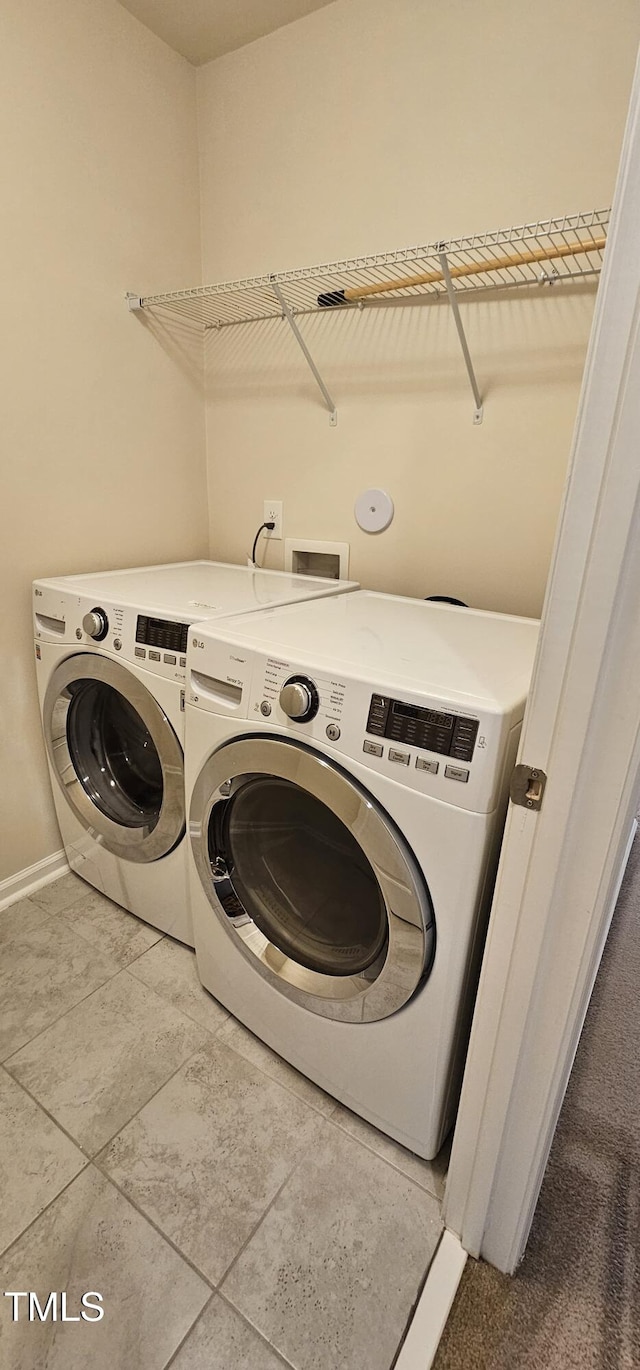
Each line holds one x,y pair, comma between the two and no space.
299,699
96,624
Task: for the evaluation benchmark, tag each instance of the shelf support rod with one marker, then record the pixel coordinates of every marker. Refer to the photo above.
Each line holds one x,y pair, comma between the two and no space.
333,413
477,417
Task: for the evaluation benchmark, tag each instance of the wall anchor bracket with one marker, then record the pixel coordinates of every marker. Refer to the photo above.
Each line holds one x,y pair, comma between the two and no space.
527,786
133,301
451,292
288,315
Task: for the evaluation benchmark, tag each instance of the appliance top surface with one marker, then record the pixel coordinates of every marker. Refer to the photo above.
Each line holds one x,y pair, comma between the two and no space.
388,639
196,589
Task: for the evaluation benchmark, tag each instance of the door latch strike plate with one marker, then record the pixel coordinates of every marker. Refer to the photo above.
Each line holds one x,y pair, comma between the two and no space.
527,786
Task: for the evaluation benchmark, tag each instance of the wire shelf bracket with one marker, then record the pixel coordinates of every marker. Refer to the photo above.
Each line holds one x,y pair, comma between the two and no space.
446,274
287,314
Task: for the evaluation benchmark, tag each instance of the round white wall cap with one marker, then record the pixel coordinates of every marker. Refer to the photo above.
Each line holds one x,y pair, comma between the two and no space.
373,510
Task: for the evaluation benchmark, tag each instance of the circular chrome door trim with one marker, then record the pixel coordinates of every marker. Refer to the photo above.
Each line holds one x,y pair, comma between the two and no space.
140,844
392,979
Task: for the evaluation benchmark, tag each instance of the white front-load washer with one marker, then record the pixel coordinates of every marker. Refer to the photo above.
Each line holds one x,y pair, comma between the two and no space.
347,769
111,657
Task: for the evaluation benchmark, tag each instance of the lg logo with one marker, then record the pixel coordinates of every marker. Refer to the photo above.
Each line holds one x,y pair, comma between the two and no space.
54,1308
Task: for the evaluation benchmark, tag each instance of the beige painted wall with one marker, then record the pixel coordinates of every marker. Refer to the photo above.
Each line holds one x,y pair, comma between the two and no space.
369,126
102,451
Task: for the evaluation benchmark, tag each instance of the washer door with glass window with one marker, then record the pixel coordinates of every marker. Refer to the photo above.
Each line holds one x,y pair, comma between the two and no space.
311,879
116,757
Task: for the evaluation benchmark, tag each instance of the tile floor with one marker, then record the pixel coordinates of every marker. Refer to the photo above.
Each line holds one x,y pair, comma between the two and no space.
232,1215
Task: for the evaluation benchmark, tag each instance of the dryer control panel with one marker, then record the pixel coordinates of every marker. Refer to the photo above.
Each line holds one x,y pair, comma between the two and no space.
422,742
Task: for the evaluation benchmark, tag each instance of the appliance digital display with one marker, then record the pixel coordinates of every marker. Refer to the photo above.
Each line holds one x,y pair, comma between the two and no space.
429,729
159,632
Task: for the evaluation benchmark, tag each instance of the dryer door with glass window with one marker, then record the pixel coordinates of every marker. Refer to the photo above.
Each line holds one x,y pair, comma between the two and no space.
311,879
115,756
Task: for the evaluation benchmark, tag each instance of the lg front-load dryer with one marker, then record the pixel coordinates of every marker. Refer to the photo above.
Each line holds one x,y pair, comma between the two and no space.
347,773
111,657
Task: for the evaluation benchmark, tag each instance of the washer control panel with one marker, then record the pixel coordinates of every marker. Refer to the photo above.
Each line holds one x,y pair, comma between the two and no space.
430,730
158,645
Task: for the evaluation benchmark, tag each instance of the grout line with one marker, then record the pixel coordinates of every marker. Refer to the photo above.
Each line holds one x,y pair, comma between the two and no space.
7,1250
123,1126
91,941
51,914
212,1032
215,1294
345,1133
259,1223
274,1079
15,1050
330,1117
104,1171
256,1331
174,1354
154,1224
296,1166
122,970
90,891
60,1126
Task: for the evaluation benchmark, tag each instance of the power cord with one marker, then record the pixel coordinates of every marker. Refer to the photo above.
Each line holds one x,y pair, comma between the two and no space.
270,525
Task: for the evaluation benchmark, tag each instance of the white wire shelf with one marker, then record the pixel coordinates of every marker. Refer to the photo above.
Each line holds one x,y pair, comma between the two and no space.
550,252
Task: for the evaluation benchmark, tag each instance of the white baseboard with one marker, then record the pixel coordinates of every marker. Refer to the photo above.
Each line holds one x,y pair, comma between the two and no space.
26,882
419,1348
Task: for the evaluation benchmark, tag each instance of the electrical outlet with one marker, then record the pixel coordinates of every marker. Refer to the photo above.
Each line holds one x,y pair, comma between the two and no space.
273,512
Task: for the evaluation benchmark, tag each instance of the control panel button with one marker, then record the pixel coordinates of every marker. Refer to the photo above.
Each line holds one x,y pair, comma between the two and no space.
403,758
154,656
423,765
140,651
333,732
183,660
265,708
117,645
456,773
378,711
372,748
464,739
168,659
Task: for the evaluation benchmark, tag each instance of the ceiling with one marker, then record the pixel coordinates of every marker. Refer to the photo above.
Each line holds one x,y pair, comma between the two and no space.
204,29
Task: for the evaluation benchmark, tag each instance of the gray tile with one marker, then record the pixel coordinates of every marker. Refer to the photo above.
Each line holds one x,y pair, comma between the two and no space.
95,1067
92,1239
108,927
44,971
36,1160
430,1174
238,1037
222,1340
60,893
332,1273
170,969
207,1155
